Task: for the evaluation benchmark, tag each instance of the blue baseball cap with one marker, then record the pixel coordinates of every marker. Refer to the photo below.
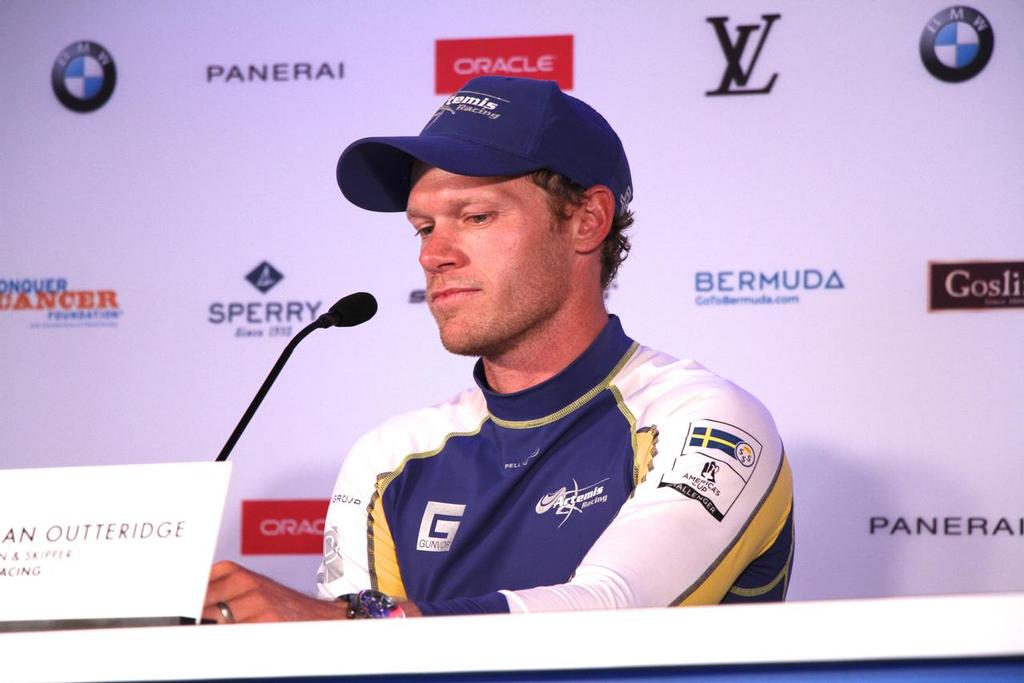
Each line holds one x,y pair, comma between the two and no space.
493,126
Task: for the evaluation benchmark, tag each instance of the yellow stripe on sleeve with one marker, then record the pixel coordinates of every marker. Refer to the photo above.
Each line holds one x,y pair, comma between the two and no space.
643,456
755,539
385,574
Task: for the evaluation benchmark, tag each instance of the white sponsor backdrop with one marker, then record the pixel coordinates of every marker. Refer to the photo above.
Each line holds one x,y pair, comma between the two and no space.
858,162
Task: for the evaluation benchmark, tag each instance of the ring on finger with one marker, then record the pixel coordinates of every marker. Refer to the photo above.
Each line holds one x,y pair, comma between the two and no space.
225,611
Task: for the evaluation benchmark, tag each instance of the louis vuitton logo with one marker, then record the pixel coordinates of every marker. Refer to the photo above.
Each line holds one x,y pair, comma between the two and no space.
735,78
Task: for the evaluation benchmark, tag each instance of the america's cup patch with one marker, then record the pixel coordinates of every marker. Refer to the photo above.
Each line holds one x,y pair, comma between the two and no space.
714,466
706,480
726,443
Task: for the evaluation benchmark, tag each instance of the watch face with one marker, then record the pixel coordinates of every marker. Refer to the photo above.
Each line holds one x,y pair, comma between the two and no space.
369,604
378,605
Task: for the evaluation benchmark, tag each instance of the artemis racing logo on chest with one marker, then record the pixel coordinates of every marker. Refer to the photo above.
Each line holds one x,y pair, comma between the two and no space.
566,501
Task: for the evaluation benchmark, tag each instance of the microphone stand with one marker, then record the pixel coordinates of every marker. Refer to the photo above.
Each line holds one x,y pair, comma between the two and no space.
267,383
354,309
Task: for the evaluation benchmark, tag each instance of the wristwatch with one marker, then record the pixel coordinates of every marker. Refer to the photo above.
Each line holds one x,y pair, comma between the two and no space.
371,604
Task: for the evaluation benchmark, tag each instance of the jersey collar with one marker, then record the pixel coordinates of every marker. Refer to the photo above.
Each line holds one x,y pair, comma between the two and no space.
546,401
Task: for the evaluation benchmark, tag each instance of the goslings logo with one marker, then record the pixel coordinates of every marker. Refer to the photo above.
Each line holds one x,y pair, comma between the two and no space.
565,501
283,527
57,306
544,57
750,287
736,76
275,73
956,44
438,526
976,285
263,318
83,76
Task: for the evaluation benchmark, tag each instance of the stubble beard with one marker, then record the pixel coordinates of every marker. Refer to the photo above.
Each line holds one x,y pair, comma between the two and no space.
509,319
500,332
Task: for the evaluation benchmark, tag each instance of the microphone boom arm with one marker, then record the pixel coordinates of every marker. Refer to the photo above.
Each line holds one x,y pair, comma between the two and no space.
258,399
349,311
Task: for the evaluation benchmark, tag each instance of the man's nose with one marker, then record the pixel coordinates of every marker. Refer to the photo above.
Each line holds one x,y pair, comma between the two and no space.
440,251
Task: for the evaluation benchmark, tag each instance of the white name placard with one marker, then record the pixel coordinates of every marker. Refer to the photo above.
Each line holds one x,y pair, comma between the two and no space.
109,543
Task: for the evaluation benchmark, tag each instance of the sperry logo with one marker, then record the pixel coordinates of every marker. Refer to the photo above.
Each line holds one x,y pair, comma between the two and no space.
264,276
471,102
566,501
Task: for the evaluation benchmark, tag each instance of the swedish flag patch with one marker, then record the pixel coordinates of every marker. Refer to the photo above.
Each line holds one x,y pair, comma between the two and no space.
711,435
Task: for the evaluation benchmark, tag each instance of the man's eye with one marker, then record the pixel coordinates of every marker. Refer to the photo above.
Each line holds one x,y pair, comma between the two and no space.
478,218
423,231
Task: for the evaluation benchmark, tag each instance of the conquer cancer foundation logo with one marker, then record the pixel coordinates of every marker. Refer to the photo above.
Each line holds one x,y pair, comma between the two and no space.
51,302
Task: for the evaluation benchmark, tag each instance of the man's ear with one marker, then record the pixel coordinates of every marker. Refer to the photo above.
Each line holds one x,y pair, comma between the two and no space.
592,220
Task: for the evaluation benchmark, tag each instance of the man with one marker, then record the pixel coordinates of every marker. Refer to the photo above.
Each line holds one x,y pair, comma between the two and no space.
584,470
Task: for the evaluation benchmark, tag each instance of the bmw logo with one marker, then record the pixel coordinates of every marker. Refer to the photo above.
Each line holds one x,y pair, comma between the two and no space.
84,76
956,44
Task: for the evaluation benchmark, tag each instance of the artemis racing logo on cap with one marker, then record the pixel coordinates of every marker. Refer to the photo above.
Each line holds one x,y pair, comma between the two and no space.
471,102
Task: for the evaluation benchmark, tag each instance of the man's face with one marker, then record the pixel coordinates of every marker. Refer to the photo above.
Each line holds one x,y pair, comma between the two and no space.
497,263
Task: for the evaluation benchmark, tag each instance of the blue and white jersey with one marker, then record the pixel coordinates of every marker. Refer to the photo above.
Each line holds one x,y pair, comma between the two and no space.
630,479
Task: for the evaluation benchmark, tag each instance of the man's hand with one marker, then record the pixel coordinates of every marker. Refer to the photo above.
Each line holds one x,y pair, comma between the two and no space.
252,597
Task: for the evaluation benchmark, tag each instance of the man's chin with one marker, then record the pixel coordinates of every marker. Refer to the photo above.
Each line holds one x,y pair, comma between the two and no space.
461,346
467,342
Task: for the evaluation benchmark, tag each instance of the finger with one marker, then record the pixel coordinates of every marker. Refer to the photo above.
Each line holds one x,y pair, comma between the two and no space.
229,586
211,613
214,613
247,607
224,568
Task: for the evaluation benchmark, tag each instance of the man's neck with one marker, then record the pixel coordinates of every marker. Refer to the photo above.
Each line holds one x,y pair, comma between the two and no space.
546,351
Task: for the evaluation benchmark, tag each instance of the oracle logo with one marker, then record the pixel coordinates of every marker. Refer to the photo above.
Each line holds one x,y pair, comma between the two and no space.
544,57
519,65
283,527
292,527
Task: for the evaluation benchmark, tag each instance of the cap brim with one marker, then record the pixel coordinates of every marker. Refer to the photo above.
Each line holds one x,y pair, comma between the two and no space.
375,173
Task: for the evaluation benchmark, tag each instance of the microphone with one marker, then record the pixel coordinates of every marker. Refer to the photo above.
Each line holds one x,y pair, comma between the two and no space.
354,309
